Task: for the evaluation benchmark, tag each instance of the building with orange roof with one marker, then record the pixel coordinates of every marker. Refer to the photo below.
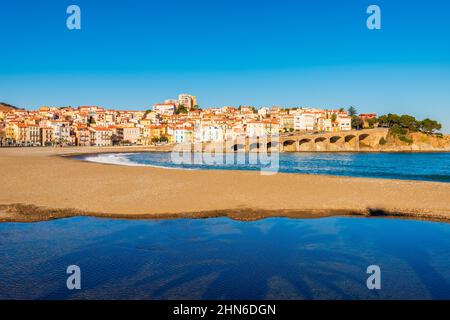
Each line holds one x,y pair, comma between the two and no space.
100,136
129,134
82,136
183,134
46,136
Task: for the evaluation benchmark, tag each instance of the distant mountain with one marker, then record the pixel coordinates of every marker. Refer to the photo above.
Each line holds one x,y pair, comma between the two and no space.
4,107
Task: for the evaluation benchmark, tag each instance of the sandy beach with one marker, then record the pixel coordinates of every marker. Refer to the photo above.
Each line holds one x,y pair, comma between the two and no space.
43,183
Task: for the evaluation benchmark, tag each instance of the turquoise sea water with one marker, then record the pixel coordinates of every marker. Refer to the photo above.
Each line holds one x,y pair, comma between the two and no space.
219,258
406,166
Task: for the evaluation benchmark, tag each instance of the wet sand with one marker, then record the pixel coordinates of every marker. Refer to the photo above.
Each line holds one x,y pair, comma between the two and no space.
42,183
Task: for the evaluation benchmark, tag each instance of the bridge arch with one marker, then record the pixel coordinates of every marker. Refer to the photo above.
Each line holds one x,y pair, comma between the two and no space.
237,147
272,144
255,145
320,139
363,136
289,145
335,139
303,141
349,138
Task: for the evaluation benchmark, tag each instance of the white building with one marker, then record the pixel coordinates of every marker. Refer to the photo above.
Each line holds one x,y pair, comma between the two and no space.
344,122
256,129
61,131
164,108
263,112
234,131
211,133
263,128
183,134
304,121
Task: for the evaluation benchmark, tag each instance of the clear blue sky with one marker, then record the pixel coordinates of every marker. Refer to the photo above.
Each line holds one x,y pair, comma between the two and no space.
131,54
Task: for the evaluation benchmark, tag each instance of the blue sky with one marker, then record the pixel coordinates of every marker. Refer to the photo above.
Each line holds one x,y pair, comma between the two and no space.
131,54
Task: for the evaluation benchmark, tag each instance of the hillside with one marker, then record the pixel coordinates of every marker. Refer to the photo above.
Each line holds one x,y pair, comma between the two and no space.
419,142
411,141
4,107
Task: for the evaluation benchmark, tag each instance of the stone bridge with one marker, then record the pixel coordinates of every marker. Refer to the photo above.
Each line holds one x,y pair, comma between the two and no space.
355,140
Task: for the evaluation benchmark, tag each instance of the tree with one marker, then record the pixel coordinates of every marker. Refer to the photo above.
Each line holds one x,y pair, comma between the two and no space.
401,125
352,111
389,120
125,142
91,120
357,123
147,112
371,122
397,130
429,126
382,121
409,122
333,117
163,139
181,109
155,140
115,139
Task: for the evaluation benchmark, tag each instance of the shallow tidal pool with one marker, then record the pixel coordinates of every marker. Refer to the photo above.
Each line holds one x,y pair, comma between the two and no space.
219,258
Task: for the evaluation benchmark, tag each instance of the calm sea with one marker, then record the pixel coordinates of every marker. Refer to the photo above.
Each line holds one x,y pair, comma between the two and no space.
406,166
219,258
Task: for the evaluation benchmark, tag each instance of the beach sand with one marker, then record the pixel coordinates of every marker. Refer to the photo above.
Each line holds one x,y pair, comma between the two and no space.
39,184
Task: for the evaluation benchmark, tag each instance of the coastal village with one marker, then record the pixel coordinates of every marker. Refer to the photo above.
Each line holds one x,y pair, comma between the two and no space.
172,121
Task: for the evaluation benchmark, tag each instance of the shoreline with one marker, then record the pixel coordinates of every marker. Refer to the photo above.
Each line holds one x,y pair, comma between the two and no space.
284,152
20,213
33,193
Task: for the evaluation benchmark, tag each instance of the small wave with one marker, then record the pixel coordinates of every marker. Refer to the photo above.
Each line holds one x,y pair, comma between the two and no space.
123,160
117,158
